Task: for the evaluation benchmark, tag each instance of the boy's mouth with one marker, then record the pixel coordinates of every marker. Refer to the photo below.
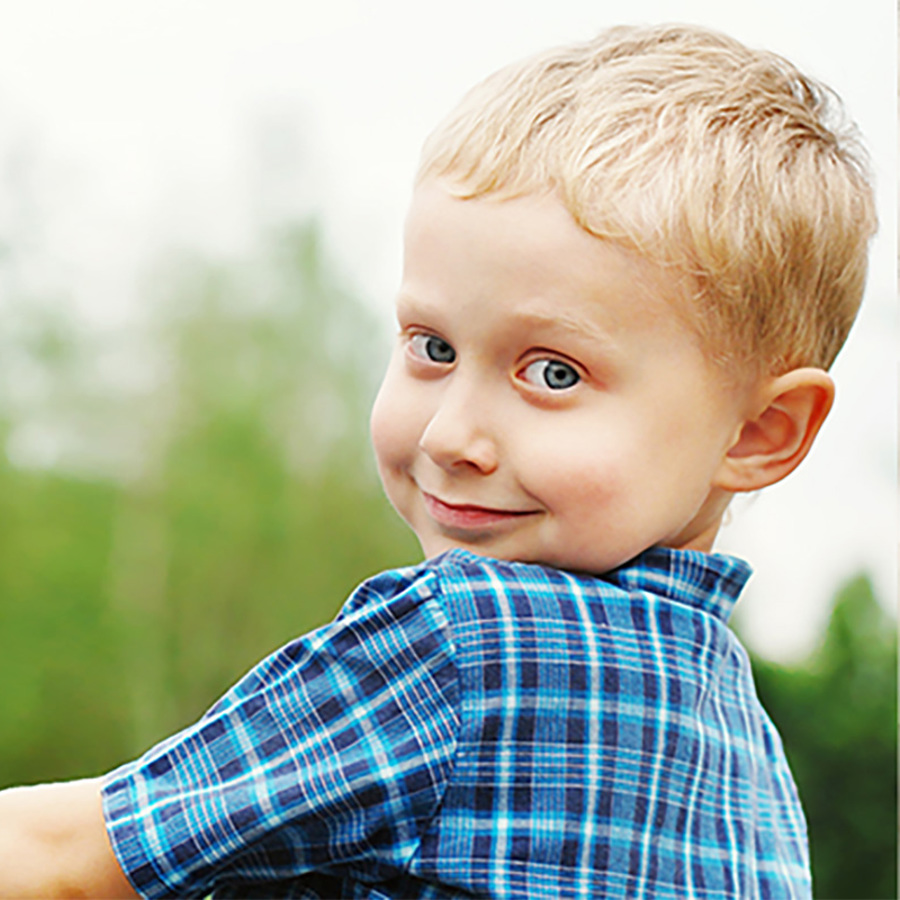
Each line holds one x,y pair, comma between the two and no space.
467,515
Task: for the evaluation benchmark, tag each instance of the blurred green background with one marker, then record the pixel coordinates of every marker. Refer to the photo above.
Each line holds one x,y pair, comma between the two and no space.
216,496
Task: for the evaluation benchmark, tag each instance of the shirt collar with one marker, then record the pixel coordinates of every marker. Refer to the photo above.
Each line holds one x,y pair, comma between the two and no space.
710,582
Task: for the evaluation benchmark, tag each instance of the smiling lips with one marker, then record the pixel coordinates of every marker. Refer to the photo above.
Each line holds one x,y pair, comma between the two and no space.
467,516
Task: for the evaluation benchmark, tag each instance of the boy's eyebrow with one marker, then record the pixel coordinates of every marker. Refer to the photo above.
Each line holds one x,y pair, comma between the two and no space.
573,325
579,327
406,304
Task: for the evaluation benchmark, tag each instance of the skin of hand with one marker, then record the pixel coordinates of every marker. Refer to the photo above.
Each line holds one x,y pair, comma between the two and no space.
53,843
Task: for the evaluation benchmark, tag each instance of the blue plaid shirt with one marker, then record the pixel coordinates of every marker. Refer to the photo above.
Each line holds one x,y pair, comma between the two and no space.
475,728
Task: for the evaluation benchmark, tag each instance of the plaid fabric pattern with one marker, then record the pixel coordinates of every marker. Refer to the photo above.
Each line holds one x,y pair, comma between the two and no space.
476,728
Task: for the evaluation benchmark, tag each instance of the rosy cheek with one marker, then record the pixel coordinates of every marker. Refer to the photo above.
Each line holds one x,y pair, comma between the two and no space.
589,482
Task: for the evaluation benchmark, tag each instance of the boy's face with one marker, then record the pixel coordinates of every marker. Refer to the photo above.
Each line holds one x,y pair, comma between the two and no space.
545,402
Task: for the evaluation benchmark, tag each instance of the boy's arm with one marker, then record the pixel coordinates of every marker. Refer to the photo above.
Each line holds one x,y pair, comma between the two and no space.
53,843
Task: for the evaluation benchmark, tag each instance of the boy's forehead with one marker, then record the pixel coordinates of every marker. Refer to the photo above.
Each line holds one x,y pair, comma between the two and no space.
476,219
531,243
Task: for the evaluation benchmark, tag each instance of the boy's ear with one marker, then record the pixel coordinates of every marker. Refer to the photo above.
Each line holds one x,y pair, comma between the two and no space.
790,410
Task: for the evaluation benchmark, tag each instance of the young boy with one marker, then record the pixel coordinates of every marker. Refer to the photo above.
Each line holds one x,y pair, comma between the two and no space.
628,265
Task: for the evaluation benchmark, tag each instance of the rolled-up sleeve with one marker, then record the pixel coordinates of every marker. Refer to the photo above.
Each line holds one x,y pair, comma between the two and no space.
330,756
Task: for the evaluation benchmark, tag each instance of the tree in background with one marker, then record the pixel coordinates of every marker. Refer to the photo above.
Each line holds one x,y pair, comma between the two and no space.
258,509
242,508
837,714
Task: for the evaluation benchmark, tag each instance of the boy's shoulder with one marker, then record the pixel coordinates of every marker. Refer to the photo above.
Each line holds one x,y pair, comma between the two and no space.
707,582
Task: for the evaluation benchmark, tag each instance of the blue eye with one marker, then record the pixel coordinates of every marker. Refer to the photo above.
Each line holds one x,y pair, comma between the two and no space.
552,374
432,348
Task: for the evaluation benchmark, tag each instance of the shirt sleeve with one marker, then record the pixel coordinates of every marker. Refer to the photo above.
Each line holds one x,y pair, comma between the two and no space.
330,756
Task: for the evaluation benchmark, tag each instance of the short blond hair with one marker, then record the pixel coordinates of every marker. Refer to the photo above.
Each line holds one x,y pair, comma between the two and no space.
688,147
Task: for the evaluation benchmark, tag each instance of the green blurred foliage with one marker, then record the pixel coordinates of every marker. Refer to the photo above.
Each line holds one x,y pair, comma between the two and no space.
129,602
837,714
232,503
58,638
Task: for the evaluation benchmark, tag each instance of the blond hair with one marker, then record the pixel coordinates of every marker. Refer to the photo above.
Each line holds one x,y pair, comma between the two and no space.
684,145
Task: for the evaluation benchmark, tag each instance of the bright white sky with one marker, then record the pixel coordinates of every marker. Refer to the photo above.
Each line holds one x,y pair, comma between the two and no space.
190,122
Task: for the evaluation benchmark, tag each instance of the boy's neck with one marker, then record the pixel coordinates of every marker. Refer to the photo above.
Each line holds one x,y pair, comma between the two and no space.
703,537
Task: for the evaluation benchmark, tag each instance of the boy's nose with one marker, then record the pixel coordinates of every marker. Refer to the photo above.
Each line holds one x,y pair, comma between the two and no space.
456,438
